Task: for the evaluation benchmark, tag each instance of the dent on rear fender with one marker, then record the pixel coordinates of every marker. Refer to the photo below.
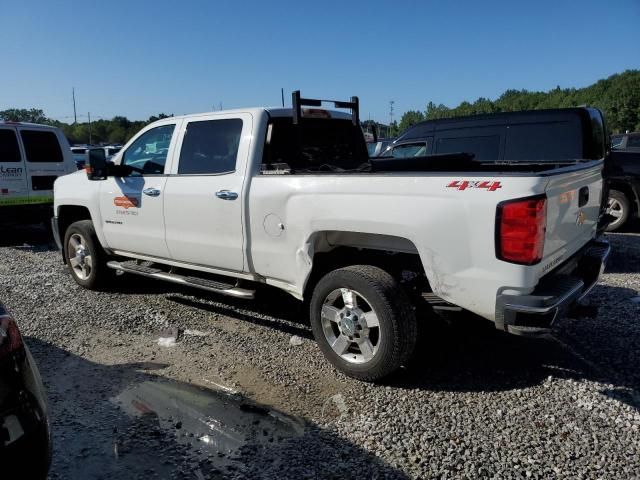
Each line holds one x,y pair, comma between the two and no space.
304,264
441,283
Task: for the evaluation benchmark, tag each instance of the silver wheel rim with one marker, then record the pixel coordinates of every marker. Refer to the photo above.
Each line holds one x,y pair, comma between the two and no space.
79,256
615,209
350,325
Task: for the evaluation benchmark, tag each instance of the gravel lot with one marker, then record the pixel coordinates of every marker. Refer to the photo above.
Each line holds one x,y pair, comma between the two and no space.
473,403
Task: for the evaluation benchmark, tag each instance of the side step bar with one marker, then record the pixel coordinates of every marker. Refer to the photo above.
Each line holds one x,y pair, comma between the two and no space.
196,282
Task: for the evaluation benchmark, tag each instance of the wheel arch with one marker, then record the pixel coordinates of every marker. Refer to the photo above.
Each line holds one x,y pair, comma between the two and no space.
67,215
329,250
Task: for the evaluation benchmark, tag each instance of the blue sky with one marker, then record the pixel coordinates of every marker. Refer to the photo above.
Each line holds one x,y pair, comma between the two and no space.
138,58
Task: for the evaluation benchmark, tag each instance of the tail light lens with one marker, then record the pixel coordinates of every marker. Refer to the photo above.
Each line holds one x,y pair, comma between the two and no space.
10,338
520,230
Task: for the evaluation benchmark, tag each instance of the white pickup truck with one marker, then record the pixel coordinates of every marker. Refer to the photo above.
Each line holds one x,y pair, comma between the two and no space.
288,197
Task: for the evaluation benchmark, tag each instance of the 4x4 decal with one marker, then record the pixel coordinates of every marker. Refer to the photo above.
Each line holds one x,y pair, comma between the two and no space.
490,185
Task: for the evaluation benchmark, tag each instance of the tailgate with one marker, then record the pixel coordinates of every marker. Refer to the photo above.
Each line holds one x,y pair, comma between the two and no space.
573,210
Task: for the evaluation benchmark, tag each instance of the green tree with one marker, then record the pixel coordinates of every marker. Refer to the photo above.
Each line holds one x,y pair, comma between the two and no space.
394,130
410,118
618,96
437,111
33,115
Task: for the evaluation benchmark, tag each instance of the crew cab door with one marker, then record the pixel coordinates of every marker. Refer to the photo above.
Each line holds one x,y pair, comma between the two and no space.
203,196
132,206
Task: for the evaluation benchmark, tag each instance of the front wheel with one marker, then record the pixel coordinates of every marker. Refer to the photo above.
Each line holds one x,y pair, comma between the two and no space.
85,257
363,321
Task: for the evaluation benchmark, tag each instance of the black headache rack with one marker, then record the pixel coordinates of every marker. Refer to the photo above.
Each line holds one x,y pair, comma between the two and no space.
298,102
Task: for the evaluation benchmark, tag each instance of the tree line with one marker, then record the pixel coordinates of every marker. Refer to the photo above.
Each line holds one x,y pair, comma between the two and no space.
618,96
117,130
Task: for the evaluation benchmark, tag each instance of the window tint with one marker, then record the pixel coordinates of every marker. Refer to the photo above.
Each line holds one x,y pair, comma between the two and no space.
148,153
483,147
210,146
9,149
616,141
44,182
633,141
417,149
41,146
316,144
545,141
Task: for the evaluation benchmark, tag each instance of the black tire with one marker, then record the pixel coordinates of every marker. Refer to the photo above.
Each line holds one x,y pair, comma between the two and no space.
622,207
99,274
397,331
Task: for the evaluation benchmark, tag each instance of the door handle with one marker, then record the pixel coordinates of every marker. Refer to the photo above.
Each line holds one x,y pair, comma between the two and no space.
152,192
226,195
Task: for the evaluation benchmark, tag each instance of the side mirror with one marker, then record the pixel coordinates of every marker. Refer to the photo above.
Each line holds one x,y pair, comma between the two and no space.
96,164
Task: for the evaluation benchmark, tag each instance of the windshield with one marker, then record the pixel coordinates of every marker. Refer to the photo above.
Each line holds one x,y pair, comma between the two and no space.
315,144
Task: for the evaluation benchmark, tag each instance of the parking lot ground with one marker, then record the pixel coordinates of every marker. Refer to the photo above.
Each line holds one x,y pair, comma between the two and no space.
233,398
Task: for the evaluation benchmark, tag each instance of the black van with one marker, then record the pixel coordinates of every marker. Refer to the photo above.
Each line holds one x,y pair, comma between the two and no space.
536,135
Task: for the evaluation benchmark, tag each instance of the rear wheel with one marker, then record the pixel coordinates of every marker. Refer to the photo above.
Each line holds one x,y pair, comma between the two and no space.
85,257
363,321
618,207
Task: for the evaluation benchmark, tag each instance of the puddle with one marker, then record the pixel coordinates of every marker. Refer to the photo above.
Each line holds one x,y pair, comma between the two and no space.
206,429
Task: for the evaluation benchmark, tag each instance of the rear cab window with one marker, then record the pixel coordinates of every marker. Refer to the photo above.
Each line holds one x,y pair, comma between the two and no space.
315,145
550,141
41,146
210,147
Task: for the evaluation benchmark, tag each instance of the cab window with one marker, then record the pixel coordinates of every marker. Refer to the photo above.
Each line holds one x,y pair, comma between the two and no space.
418,149
633,141
9,149
147,155
483,147
41,146
210,147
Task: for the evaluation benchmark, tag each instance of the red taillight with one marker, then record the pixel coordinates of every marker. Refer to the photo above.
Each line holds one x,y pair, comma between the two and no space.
10,339
520,230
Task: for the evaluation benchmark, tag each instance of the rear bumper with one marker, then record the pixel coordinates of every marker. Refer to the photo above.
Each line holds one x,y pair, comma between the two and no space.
557,294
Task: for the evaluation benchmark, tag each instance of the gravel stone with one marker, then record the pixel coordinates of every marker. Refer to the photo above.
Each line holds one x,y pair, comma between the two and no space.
473,403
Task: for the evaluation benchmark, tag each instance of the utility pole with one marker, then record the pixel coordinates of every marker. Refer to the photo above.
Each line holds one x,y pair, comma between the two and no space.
89,116
73,94
391,102
282,93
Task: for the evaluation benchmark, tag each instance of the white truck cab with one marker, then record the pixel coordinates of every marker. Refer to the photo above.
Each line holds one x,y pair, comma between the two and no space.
222,201
32,157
